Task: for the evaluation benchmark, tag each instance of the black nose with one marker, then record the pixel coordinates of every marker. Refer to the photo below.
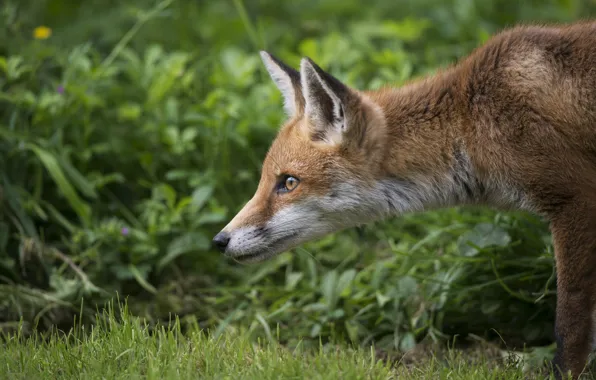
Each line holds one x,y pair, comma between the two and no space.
221,240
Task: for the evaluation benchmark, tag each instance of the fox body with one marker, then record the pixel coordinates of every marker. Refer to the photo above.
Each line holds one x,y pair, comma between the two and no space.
511,126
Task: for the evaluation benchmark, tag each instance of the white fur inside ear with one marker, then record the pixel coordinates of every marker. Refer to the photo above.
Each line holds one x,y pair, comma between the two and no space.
283,82
334,98
333,129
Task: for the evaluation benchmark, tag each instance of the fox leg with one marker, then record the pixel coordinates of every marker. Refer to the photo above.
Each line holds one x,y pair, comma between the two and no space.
574,236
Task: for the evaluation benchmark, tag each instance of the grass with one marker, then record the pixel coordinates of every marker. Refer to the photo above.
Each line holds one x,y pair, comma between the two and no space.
121,346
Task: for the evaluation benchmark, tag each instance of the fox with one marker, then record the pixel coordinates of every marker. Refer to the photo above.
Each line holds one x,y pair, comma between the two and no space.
511,126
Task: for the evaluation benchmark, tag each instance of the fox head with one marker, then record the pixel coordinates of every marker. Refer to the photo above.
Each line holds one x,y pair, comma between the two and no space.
321,171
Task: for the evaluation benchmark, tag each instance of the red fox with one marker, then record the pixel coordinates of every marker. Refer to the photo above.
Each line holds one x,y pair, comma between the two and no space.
511,126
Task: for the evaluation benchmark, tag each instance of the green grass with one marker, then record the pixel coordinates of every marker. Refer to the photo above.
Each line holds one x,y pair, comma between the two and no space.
121,346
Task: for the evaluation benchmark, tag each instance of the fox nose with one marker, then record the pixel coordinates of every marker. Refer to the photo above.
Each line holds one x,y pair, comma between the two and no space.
221,240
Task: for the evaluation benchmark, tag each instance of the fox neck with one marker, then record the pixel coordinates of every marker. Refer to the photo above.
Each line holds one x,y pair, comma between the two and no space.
428,130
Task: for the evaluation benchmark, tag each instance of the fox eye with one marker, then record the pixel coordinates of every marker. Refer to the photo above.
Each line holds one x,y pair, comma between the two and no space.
291,183
288,184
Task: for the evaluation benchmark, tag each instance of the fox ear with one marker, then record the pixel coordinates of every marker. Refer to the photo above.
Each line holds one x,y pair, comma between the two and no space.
287,80
326,101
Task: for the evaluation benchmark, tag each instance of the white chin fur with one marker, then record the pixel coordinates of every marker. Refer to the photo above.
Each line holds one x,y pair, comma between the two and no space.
287,229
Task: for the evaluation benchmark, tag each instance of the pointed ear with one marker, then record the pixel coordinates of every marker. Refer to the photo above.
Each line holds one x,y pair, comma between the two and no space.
287,80
326,101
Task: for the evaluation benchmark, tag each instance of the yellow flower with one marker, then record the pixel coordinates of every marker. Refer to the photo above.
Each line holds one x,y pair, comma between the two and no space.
42,32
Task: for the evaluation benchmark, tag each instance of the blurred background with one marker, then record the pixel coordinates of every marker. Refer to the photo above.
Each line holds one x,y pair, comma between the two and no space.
131,132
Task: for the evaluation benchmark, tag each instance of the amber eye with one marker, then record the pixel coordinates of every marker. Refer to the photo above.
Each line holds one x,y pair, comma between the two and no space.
291,183
288,184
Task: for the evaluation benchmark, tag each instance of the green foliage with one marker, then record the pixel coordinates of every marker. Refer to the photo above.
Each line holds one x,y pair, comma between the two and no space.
135,131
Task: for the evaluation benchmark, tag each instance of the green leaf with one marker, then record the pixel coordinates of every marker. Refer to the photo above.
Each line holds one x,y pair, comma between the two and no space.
7,263
14,67
201,195
189,134
265,325
344,281
64,288
482,236
315,330
329,288
140,277
129,112
171,109
352,329
167,193
53,167
209,218
315,307
382,299
58,217
378,276
293,279
338,313
407,30
77,178
190,242
408,342
166,77
406,286
490,307
14,202
269,267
